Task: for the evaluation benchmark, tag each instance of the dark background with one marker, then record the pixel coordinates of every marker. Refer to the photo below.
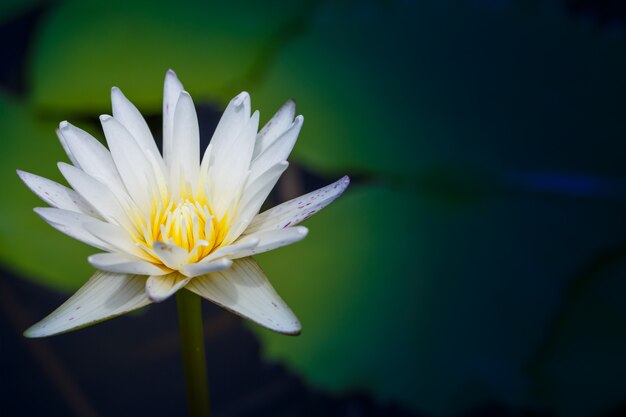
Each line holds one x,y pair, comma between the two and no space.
475,266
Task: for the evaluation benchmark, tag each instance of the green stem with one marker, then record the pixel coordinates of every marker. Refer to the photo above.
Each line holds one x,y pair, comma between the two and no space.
192,347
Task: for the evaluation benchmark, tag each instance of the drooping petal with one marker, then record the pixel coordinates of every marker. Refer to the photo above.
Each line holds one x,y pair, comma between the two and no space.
173,256
99,196
104,296
276,126
131,161
171,91
127,114
269,240
294,211
245,290
184,163
201,268
92,157
72,224
162,287
277,151
124,264
57,195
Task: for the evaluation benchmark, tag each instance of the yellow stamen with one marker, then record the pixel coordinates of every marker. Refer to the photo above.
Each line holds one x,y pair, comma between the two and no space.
187,223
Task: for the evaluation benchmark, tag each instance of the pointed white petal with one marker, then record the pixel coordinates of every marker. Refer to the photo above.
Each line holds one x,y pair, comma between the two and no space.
201,268
252,199
233,120
184,163
256,192
171,91
96,193
277,151
229,170
270,240
115,237
127,114
245,290
57,195
104,296
277,125
66,148
71,223
173,256
92,157
162,287
131,162
294,211
125,264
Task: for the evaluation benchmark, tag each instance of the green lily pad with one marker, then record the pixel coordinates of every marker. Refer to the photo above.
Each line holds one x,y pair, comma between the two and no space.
583,356
436,306
28,245
83,49
395,88
11,8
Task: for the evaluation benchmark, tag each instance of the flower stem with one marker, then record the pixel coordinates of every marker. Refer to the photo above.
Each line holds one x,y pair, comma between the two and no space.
192,347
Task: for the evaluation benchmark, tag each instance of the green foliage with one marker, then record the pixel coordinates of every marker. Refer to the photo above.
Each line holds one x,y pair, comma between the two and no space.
395,89
11,8
582,356
358,288
83,49
27,244
398,94
439,307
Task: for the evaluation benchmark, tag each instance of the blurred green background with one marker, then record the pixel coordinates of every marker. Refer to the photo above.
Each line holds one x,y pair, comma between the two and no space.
479,256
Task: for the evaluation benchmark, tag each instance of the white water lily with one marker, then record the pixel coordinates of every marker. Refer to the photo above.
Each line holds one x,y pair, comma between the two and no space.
173,221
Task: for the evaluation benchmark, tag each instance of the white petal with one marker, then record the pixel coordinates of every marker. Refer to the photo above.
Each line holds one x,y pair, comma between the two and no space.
171,91
277,125
57,195
173,256
96,193
71,223
104,296
92,157
212,262
201,268
252,199
233,120
229,170
277,151
184,163
270,240
66,148
127,114
125,264
245,290
294,211
242,245
161,287
115,237
131,161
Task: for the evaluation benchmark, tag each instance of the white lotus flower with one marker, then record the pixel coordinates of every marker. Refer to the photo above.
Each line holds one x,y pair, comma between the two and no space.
168,222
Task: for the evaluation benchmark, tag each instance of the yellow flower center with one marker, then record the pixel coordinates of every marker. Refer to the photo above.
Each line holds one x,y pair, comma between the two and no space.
187,223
